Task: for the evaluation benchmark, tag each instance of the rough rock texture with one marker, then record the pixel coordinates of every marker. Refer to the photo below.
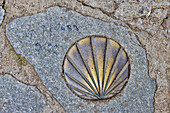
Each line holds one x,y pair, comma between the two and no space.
20,8
154,39
142,16
159,68
18,67
2,12
17,97
44,39
108,6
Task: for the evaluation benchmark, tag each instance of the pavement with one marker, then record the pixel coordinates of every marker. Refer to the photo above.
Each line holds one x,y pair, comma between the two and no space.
35,36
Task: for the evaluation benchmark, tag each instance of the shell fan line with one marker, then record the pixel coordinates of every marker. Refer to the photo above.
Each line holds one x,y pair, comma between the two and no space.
96,67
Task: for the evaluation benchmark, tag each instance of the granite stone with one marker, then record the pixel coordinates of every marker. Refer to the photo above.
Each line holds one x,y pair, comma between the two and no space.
2,13
16,97
44,39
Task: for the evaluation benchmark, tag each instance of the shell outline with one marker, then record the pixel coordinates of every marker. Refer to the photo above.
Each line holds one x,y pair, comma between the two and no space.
128,61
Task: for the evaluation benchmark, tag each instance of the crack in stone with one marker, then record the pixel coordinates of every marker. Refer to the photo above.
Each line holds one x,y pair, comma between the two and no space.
36,81
143,46
105,12
138,39
108,14
3,7
113,17
163,23
49,96
50,99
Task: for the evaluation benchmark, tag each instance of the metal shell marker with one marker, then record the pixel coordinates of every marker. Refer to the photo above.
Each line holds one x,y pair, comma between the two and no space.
96,67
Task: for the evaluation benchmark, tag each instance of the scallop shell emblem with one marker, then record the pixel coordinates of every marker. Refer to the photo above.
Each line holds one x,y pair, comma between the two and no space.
96,67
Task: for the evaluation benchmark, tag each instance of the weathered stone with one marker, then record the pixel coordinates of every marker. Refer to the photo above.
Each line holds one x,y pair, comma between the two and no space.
142,16
44,39
19,68
20,8
157,68
16,96
2,12
105,5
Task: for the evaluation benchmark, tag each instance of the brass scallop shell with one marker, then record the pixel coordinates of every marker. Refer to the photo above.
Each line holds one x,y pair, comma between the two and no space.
96,67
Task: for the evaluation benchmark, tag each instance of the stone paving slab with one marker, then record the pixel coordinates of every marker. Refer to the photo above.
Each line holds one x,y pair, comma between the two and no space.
44,39
16,97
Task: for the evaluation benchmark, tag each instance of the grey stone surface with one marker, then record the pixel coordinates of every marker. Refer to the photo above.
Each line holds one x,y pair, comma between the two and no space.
2,12
44,39
143,16
17,97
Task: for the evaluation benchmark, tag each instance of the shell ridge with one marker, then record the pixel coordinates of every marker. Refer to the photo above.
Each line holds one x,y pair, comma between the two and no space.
81,84
117,85
112,94
86,65
79,71
76,81
113,67
95,62
120,73
96,67
82,92
106,58
118,76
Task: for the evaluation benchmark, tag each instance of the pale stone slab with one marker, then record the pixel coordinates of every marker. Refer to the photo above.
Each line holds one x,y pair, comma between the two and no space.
44,39
17,97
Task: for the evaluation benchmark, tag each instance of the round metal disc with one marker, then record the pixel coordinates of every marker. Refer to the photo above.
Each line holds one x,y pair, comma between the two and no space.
96,67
